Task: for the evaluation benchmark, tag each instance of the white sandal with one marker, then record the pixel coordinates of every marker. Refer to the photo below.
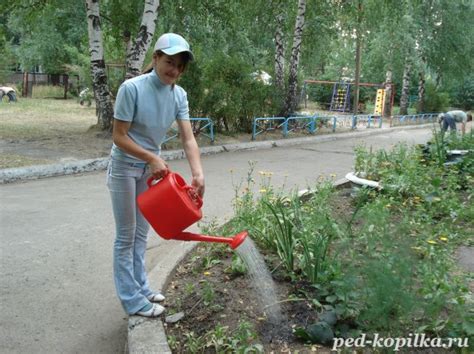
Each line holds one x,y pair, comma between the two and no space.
156,297
155,311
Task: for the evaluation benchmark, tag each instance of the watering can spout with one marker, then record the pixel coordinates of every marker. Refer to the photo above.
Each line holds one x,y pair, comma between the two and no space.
233,242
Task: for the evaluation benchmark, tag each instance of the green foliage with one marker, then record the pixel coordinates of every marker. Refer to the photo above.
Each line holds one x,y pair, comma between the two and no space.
463,93
319,332
237,266
435,101
224,89
391,270
208,293
43,34
220,340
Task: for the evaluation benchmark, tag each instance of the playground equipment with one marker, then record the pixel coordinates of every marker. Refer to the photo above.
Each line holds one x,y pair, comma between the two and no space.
341,97
340,100
379,102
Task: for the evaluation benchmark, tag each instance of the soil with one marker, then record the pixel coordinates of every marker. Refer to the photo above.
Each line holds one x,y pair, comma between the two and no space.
234,301
59,148
235,297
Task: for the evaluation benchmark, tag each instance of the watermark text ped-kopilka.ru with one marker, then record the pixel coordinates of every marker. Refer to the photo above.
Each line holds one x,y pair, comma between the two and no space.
413,340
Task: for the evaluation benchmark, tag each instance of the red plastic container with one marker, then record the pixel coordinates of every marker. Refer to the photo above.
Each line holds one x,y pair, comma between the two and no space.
170,205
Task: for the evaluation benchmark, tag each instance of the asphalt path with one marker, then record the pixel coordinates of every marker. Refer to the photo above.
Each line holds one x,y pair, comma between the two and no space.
56,290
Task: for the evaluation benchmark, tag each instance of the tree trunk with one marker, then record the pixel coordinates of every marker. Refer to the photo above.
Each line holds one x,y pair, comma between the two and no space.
404,98
279,50
421,93
140,46
104,107
357,58
387,107
292,95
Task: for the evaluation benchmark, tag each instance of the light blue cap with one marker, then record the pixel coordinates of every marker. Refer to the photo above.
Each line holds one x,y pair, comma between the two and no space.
172,43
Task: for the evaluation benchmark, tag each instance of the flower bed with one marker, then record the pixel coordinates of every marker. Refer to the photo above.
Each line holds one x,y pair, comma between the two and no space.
346,263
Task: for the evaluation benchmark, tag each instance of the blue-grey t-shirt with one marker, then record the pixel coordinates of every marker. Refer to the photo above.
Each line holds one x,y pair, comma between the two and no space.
151,107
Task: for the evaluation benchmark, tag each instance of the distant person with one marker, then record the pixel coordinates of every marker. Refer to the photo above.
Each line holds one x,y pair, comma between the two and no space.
449,120
9,92
145,108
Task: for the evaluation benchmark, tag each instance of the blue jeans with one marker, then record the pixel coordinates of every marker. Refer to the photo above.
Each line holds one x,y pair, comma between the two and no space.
448,122
125,182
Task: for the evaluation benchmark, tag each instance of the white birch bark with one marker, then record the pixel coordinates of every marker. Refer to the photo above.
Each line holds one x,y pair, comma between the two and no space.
292,96
421,93
404,98
104,107
387,109
136,53
279,50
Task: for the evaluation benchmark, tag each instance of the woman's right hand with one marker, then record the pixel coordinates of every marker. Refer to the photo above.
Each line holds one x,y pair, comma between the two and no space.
158,167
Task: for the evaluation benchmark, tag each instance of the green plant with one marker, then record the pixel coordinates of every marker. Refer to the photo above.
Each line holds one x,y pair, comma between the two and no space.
435,101
210,261
208,293
237,266
193,343
283,234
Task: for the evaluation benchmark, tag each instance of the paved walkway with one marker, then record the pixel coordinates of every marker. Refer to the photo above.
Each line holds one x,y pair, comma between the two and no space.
57,293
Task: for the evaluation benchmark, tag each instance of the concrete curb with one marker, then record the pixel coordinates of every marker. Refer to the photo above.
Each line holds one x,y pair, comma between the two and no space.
10,175
147,335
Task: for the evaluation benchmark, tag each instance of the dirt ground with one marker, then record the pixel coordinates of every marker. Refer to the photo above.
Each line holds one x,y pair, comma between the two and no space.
47,131
235,298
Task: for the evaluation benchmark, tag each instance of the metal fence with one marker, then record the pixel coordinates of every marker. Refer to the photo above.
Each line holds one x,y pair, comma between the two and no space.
204,126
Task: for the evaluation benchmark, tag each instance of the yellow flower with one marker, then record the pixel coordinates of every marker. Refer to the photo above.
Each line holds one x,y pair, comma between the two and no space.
207,273
443,238
432,242
263,190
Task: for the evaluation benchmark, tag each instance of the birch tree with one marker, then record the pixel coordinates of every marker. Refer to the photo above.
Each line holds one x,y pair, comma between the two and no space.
387,107
136,52
292,95
279,49
404,98
421,93
104,107
135,55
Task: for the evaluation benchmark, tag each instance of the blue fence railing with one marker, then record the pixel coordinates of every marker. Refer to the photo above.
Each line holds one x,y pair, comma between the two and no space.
204,126
265,124
311,124
414,118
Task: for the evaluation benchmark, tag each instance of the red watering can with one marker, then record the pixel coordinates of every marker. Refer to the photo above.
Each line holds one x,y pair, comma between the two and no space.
170,206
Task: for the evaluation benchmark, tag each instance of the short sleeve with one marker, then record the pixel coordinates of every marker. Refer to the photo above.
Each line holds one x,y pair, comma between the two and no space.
183,107
125,103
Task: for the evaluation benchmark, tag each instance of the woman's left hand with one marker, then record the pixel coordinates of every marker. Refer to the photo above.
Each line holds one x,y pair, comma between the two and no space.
198,184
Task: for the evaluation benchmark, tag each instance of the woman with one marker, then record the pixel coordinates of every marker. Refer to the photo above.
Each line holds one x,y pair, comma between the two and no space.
145,108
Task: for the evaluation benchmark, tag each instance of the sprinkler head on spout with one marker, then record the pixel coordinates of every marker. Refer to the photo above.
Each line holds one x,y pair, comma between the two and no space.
238,239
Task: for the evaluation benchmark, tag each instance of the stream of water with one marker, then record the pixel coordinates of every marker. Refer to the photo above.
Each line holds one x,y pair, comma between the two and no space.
261,281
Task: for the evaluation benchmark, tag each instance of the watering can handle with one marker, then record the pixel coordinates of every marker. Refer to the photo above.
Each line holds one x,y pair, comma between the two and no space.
194,196
150,180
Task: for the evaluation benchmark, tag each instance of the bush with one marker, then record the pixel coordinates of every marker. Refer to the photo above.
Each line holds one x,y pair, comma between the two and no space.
225,91
435,101
464,94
